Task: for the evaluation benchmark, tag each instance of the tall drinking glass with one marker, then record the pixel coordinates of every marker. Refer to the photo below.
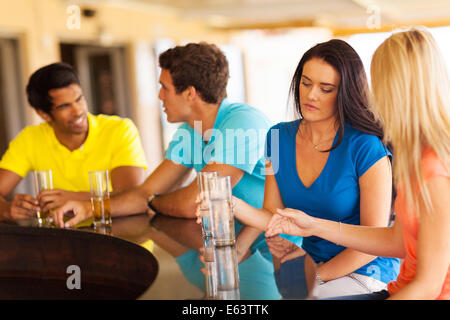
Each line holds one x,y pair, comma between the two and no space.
100,202
225,257
43,180
221,210
203,180
227,272
211,269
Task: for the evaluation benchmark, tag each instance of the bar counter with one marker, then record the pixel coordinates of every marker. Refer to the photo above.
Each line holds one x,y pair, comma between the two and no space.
171,272
34,257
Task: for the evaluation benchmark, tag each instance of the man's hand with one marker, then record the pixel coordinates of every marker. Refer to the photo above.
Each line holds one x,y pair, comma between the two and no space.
22,207
81,211
52,199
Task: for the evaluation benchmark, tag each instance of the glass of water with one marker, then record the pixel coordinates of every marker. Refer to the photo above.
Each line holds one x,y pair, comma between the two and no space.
225,258
221,210
203,179
203,182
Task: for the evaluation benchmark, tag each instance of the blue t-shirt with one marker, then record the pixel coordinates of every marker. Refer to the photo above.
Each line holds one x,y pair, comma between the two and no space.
335,194
237,139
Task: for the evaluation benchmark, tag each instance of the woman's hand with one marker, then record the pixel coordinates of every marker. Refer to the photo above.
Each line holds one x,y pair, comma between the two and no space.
284,249
290,221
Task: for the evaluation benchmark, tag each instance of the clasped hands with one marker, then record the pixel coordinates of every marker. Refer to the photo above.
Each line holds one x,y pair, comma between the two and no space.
290,221
287,221
24,206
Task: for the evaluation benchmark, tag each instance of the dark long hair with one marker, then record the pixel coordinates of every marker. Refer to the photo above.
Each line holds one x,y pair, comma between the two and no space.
353,92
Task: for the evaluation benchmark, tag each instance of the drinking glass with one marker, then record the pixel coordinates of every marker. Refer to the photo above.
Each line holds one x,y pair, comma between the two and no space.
43,180
225,258
221,210
227,272
203,181
211,269
100,202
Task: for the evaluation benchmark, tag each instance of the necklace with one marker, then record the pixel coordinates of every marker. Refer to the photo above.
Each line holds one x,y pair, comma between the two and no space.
316,145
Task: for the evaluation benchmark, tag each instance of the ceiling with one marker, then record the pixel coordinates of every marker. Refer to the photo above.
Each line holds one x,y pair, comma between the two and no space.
336,14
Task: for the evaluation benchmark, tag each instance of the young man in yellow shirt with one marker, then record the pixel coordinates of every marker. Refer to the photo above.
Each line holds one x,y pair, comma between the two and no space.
71,142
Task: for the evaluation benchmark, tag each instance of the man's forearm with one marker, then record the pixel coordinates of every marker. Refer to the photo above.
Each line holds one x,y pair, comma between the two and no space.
180,203
160,181
129,202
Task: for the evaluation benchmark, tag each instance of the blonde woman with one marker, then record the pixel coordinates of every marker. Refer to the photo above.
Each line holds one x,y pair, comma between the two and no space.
411,95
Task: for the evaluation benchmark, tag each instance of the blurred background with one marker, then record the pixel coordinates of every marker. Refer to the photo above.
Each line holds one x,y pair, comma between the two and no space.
114,45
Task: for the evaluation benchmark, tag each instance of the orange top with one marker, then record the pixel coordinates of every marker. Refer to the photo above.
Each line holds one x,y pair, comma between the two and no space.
431,166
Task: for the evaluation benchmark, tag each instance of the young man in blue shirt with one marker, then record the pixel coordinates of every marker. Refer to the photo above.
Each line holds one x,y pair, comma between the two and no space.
215,135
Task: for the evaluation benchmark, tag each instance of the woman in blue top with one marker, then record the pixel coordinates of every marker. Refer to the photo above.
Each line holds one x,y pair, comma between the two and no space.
330,164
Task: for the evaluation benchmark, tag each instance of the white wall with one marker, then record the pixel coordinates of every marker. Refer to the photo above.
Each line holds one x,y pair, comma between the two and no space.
270,60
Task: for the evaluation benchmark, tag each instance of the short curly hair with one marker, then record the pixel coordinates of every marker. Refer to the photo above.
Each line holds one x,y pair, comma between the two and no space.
201,65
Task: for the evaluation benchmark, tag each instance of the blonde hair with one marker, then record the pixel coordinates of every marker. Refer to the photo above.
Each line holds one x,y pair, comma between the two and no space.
411,96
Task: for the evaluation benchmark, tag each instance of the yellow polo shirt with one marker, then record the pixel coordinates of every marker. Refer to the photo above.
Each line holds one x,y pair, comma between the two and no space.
111,142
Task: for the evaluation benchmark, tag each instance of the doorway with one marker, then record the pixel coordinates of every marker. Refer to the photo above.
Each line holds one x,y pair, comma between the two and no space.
12,109
102,75
12,101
